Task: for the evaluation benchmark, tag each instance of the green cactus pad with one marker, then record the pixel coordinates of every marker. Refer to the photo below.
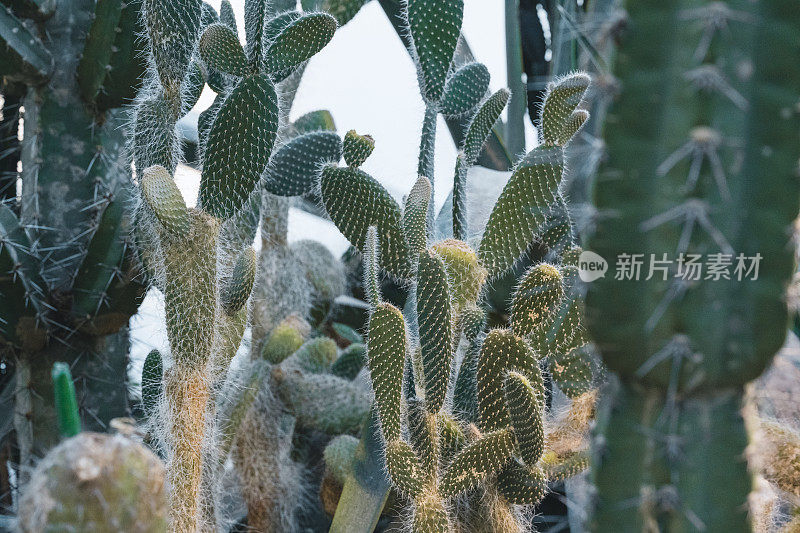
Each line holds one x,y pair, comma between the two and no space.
347,333
320,401
386,353
285,339
69,421
298,42
473,320
559,469
521,485
502,351
435,26
451,437
436,328
415,214
357,148
571,370
255,12
350,362
294,168
190,291
403,467
320,120
477,460
465,273
560,121
355,201
482,123
315,356
152,382
464,90
526,409
98,48
154,138
173,28
220,49
102,265
162,196
236,289
423,432
227,16
430,515
338,455
536,300
239,145
522,211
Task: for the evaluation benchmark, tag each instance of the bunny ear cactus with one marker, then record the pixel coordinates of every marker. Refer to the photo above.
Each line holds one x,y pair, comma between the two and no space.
68,274
689,178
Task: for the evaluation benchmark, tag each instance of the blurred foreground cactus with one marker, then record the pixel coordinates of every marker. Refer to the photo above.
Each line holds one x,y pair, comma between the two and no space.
96,483
701,171
68,277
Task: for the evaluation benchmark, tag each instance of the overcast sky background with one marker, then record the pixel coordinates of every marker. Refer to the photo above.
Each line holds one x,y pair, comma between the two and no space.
366,79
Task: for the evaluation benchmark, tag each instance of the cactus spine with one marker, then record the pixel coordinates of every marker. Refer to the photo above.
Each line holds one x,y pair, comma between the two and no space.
67,273
696,147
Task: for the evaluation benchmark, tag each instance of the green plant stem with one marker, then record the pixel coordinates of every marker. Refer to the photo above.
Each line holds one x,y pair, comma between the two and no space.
427,149
515,127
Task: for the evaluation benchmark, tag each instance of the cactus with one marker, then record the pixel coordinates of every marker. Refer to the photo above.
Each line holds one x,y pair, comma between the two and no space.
683,350
430,454
93,482
68,276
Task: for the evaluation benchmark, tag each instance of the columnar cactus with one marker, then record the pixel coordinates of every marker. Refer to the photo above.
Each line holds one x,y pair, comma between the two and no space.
200,258
68,278
485,430
703,136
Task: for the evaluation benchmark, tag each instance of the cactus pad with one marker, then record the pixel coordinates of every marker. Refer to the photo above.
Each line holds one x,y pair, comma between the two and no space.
220,49
294,167
298,42
355,201
465,273
386,351
435,315
161,195
536,299
235,290
560,120
477,460
435,26
502,351
404,467
239,145
526,408
357,148
415,214
464,90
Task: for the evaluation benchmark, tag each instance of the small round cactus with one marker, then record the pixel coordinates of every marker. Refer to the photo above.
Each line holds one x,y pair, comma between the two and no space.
96,483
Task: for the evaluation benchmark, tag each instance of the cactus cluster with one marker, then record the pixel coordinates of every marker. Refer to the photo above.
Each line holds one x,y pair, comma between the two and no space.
201,258
451,431
696,148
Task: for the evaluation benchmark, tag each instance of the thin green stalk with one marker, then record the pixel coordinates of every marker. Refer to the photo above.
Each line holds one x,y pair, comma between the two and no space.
515,127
